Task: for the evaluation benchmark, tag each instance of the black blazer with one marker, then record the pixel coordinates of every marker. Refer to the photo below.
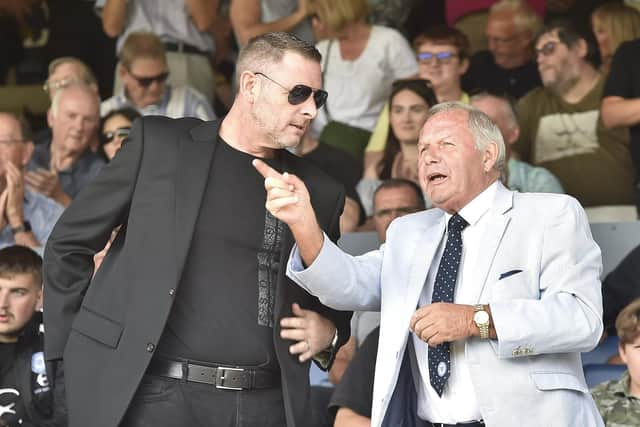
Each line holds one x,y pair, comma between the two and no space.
106,328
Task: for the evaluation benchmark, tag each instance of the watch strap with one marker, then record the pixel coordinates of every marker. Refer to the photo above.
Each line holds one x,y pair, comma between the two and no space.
483,327
25,227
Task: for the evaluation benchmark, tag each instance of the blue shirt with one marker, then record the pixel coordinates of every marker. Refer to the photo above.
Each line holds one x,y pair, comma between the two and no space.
526,178
74,178
41,212
176,102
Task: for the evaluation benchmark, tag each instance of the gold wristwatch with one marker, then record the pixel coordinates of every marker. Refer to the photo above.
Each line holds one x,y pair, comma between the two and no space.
481,319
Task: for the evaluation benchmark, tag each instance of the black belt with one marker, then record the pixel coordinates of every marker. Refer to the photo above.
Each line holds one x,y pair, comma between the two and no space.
222,377
470,424
184,48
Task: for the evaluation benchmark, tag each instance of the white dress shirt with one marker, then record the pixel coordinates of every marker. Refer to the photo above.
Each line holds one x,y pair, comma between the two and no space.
458,402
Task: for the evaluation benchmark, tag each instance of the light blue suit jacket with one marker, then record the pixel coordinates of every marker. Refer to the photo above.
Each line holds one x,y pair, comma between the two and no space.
544,315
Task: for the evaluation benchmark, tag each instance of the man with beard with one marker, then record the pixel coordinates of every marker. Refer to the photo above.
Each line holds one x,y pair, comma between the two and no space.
183,324
560,125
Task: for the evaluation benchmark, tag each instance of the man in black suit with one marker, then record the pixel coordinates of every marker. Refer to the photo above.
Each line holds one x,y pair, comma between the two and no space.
183,324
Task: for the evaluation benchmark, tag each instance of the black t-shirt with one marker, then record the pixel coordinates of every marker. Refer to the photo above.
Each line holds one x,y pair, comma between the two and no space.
624,81
11,403
341,166
223,312
355,390
485,74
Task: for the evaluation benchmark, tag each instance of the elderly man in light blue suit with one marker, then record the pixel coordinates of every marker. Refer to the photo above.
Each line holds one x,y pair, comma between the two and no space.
503,319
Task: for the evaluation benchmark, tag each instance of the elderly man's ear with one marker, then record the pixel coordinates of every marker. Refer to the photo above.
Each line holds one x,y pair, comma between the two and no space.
27,151
490,156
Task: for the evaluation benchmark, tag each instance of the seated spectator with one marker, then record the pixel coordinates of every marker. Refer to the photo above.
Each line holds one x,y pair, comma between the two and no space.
443,57
26,217
612,24
353,397
619,288
508,66
28,397
621,99
619,401
68,70
410,100
144,72
342,167
61,167
560,127
114,128
65,71
392,199
360,61
183,26
519,176
251,18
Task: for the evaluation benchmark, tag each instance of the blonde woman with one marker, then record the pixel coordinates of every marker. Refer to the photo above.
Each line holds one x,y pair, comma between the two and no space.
612,24
360,61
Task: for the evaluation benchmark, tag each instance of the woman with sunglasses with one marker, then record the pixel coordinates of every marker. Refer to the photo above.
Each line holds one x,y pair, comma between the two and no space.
114,128
409,103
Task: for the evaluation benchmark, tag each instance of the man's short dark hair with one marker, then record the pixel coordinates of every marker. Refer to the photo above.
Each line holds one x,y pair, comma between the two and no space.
18,259
399,183
269,49
570,33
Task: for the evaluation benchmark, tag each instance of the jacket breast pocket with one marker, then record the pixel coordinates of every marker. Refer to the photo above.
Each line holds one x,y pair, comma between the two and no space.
97,327
558,381
514,286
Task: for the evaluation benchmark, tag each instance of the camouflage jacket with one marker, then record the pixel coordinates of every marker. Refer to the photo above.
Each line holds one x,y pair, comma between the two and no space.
617,407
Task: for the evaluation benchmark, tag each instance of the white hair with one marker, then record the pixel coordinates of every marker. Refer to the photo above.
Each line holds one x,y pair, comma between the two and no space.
484,131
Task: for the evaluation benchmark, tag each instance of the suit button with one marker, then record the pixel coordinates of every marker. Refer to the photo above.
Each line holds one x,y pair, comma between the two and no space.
150,347
172,292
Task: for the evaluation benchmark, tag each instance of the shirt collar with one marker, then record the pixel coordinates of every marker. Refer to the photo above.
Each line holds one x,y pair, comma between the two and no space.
161,105
476,208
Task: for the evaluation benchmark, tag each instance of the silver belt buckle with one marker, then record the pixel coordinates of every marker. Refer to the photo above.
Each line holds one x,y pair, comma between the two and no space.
220,376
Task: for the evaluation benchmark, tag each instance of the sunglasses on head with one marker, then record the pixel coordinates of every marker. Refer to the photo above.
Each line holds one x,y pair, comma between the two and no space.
300,93
107,137
147,81
547,49
440,57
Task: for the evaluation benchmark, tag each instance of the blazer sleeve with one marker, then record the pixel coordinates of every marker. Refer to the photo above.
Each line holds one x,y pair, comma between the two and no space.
82,230
567,316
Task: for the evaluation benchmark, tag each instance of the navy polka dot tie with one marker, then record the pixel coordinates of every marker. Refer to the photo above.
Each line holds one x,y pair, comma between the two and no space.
443,288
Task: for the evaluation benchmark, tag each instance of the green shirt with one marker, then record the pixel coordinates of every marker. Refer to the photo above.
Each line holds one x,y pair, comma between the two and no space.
592,163
617,407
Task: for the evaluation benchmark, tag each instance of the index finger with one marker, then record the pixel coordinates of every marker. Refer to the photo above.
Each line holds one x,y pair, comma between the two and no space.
266,170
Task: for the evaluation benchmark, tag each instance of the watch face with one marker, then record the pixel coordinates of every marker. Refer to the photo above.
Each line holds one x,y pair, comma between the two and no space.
481,317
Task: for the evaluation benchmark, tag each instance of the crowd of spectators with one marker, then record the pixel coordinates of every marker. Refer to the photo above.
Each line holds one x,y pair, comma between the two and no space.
559,78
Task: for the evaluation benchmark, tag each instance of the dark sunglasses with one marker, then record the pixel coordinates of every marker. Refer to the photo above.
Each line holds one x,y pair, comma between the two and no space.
300,93
440,57
107,137
146,81
403,210
547,49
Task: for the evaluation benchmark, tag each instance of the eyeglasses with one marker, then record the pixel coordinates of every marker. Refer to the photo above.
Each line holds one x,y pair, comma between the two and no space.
147,81
107,137
440,57
300,93
54,85
400,211
547,49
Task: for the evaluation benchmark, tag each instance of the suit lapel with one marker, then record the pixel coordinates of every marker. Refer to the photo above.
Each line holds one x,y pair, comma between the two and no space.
496,226
422,258
195,156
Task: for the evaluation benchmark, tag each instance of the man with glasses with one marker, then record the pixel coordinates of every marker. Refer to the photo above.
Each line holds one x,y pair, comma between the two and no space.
26,217
560,125
508,66
190,319
144,73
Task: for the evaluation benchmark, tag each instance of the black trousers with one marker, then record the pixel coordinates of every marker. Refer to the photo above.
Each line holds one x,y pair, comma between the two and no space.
160,402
